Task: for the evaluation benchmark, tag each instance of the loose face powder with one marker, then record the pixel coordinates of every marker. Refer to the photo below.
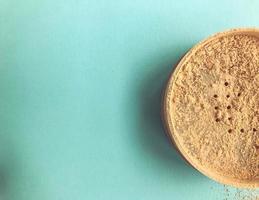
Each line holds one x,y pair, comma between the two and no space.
211,107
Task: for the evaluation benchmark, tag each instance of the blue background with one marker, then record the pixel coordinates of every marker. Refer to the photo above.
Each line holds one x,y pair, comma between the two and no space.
81,86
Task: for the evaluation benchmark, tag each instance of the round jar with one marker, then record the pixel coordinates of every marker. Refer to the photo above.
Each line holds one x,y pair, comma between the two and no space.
211,107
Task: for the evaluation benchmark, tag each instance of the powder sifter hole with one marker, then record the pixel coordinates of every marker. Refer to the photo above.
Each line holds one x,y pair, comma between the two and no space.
254,129
228,96
215,96
226,83
217,120
230,130
228,107
242,130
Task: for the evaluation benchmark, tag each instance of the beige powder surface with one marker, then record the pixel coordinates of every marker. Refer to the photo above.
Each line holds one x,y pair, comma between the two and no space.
214,106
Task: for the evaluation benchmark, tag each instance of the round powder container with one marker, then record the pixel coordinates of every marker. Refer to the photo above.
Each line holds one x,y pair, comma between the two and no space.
211,107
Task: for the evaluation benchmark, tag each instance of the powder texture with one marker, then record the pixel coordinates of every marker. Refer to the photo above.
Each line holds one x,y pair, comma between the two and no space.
214,106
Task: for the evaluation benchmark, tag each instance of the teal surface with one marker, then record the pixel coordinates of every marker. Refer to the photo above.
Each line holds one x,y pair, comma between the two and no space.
80,86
